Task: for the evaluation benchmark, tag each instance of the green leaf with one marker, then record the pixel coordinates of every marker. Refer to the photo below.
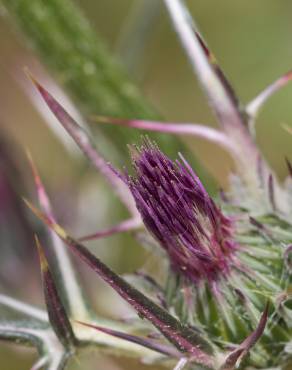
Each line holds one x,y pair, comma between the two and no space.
183,337
56,311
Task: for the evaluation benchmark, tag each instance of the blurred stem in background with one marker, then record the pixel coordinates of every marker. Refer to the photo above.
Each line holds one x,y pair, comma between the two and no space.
68,45
138,28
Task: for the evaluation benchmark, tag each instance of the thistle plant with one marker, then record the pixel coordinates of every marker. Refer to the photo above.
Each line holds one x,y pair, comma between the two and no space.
225,300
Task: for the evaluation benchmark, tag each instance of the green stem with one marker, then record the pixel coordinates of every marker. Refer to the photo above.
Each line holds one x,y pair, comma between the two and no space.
67,43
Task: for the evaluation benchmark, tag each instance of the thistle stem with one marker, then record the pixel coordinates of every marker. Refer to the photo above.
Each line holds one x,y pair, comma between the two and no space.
23,308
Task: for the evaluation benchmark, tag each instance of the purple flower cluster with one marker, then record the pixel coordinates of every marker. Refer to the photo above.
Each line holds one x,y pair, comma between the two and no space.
179,213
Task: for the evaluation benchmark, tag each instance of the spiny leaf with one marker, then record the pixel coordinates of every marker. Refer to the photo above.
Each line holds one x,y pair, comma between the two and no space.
145,342
183,337
124,226
194,129
41,192
64,268
56,311
85,143
220,94
248,343
257,103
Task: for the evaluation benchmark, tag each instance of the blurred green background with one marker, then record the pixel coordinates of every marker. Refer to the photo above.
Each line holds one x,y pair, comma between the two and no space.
252,42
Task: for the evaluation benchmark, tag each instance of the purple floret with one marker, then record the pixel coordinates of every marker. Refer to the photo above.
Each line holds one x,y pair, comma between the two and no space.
179,213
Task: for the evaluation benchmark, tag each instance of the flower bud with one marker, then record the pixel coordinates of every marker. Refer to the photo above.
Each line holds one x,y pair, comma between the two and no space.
179,213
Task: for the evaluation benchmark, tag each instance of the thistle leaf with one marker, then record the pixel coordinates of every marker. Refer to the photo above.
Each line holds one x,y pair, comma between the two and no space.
124,226
247,344
183,337
219,91
194,129
220,94
145,342
56,311
41,191
254,107
64,268
85,143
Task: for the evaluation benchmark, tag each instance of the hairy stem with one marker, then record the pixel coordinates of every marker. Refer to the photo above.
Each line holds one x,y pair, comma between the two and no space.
23,308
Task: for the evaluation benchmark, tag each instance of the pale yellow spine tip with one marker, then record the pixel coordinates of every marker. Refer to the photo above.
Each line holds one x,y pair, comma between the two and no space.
43,259
60,231
31,77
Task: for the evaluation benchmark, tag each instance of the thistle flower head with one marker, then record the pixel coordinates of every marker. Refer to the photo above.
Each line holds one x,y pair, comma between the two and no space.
179,213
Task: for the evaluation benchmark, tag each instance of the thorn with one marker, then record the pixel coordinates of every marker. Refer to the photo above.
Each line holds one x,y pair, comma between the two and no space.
57,228
253,107
42,256
85,142
145,342
56,310
31,77
271,191
248,343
